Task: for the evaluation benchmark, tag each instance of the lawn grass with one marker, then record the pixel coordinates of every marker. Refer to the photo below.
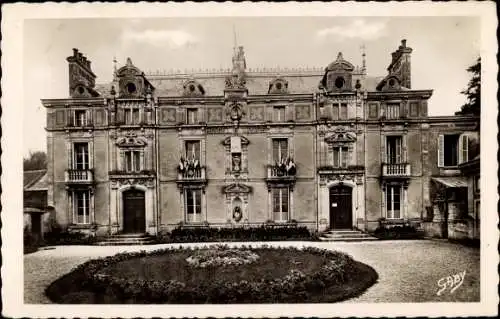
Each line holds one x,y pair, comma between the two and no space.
272,264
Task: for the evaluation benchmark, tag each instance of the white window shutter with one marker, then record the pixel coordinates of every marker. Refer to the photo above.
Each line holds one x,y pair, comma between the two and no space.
463,149
441,150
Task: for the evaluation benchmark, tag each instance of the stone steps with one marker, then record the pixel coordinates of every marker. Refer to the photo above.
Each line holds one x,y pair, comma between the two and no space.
346,235
127,239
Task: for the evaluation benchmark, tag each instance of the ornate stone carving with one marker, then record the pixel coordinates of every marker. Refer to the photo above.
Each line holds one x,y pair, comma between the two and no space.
256,113
302,112
131,142
236,188
214,114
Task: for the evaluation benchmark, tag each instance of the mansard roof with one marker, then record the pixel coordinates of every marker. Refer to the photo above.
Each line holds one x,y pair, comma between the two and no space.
257,82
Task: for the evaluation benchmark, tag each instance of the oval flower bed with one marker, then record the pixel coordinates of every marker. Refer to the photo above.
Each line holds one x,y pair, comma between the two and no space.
217,274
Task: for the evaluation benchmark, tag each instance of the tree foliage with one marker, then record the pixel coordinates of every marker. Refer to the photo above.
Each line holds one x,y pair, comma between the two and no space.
35,160
473,91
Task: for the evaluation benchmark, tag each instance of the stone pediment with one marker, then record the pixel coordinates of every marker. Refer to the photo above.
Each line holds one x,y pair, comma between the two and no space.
341,136
227,141
131,142
236,189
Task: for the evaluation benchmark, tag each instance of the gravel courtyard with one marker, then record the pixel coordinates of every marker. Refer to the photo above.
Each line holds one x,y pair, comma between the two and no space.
409,270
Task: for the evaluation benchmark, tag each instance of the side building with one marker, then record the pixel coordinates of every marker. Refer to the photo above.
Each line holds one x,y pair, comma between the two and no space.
328,148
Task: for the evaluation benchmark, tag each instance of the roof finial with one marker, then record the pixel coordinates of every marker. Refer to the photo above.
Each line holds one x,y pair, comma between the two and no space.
363,55
114,67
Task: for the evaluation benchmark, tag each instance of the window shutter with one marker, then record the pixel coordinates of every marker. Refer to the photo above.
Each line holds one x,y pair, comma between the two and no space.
441,150
383,148
121,116
405,150
71,117
463,152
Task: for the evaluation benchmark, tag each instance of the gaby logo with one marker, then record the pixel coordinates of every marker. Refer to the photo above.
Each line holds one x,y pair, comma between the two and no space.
451,282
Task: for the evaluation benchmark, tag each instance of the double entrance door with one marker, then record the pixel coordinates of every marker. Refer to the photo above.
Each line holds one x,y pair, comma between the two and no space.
134,219
341,207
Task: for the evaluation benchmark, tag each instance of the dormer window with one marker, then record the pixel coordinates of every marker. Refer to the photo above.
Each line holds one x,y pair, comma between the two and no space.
131,88
278,86
339,82
193,88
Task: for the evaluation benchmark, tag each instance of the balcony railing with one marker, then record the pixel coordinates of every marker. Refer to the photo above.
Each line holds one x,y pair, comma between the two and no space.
81,176
395,170
195,173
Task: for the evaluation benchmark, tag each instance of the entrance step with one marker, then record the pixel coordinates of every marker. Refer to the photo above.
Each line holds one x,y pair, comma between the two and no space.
127,239
346,235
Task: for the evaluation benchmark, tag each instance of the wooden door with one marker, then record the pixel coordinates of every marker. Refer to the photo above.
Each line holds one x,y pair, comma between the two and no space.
341,207
134,219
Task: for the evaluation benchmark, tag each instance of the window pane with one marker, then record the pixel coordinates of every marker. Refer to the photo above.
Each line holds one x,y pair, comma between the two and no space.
82,207
81,156
192,116
280,149
189,202
344,153
137,161
284,200
451,150
336,156
343,111
193,150
198,202
335,109
128,116
276,200
135,116
128,161
279,113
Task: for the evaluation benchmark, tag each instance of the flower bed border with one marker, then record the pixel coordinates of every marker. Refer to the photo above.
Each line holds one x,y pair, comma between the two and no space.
294,287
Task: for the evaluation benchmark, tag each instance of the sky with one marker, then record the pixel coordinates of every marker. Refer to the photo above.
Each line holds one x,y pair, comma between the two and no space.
443,47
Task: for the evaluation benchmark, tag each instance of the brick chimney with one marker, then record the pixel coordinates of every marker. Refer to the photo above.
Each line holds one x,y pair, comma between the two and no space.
401,64
80,72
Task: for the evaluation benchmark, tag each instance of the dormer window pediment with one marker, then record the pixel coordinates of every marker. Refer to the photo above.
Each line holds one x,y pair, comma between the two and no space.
390,83
192,88
278,86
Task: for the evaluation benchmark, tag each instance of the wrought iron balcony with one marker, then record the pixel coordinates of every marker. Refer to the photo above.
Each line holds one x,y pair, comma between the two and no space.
191,173
277,171
396,170
281,175
191,177
79,176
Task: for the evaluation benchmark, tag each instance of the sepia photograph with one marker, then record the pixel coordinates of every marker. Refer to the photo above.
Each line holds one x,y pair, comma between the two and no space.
203,163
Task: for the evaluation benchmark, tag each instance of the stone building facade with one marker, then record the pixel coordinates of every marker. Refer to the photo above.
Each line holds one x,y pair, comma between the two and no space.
328,148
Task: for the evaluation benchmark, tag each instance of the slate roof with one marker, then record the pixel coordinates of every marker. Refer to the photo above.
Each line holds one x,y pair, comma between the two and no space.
35,180
256,82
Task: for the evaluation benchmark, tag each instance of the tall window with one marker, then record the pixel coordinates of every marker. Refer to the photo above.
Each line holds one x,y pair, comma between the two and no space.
131,116
81,156
340,155
81,207
279,113
453,149
335,110
192,116
193,205
393,149
280,149
132,161
393,201
280,203
80,118
392,111
192,150
343,111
